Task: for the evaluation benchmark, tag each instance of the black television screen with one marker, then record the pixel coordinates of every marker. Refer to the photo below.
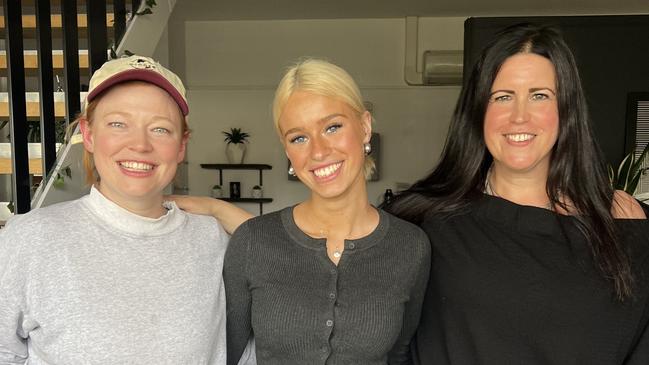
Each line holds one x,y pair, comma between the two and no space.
612,53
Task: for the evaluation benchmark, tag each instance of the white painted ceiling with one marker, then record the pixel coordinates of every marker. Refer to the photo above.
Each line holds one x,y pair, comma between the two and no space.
333,9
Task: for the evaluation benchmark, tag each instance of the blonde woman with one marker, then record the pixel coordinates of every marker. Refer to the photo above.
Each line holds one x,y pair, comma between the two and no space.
331,280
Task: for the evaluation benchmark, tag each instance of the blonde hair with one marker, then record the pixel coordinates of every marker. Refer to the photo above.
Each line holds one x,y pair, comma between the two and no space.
321,78
92,176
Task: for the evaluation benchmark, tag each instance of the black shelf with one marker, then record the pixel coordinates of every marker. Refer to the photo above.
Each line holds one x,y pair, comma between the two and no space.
240,166
243,166
248,200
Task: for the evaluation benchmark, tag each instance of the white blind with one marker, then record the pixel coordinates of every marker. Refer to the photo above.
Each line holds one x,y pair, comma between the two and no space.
641,140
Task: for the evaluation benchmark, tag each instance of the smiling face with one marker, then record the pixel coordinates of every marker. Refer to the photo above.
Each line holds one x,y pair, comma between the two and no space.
137,140
323,137
521,123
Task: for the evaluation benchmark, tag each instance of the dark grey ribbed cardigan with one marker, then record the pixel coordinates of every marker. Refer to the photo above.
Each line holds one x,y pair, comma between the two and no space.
303,309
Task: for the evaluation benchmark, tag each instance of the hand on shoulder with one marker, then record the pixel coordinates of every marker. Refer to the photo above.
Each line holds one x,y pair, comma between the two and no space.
228,214
626,207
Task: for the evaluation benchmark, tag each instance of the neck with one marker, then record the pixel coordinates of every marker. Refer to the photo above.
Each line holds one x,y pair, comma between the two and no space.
150,207
528,188
347,217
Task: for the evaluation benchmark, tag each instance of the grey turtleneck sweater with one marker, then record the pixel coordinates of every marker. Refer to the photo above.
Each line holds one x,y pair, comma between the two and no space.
303,309
87,282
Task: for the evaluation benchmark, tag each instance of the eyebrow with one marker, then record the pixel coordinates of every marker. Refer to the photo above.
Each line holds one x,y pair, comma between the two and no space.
531,90
322,120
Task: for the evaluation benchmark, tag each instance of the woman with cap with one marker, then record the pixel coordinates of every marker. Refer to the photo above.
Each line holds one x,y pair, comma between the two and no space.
119,275
331,280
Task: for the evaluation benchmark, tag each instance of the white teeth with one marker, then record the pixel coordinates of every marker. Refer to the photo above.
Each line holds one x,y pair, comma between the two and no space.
132,165
327,171
520,137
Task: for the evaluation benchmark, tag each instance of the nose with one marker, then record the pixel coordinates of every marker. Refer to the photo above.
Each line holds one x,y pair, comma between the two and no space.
139,140
520,113
320,148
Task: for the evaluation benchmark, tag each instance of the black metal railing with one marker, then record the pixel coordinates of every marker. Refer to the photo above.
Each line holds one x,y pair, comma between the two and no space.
98,44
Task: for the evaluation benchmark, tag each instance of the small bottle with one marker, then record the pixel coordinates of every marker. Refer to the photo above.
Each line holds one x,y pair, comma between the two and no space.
387,197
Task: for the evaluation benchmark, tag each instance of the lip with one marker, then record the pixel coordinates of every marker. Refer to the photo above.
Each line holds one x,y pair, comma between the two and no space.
136,173
328,177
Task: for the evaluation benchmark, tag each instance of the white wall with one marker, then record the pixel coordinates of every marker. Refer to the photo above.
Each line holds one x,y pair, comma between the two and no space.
231,69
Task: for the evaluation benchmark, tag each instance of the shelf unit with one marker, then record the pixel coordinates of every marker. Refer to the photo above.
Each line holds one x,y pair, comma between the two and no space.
227,166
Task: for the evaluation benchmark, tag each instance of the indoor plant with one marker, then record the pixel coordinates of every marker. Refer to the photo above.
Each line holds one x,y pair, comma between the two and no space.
628,174
235,149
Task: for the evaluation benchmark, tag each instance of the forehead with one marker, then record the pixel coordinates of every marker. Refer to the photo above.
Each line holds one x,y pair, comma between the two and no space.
303,106
526,68
134,96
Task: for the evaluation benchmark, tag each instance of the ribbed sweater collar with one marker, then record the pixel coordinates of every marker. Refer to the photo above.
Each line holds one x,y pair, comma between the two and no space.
120,219
305,240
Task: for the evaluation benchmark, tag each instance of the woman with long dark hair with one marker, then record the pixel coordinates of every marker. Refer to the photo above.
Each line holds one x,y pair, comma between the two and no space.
536,259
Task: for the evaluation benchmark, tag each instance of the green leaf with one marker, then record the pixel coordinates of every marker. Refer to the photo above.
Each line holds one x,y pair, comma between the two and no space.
59,181
144,12
638,163
623,172
235,135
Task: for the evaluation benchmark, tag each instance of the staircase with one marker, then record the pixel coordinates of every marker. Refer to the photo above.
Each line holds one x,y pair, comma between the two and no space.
50,49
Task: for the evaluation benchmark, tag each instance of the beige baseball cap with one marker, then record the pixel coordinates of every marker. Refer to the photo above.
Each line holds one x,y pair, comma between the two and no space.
137,68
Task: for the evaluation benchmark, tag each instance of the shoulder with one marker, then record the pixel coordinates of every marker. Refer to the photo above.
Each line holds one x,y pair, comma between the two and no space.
205,226
626,207
266,222
40,229
407,233
52,215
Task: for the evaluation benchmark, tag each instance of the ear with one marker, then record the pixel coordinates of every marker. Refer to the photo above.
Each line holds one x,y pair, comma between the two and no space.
86,132
183,148
366,123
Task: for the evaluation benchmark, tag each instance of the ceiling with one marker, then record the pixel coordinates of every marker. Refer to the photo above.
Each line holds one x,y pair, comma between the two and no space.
195,10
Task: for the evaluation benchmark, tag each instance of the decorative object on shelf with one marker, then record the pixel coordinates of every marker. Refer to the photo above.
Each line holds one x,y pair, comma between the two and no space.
258,167
235,149
628,174
235,189
257,192
388,196
217,192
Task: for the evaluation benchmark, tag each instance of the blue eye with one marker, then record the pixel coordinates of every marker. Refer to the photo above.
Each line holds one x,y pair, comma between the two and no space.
298,139
117,124
333,128
161,130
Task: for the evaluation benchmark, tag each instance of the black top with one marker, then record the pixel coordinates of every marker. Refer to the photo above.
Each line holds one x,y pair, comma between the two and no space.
514,284
302,309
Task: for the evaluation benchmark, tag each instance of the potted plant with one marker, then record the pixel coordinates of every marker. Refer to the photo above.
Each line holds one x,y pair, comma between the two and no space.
257,192
217,192
235,149
628,174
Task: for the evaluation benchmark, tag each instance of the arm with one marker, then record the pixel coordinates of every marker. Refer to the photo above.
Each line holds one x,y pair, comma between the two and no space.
13,340
237,294
228,214
400,353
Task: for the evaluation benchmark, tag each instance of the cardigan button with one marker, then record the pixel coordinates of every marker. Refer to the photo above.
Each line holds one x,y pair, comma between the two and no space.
330,323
